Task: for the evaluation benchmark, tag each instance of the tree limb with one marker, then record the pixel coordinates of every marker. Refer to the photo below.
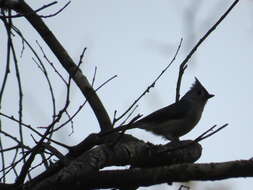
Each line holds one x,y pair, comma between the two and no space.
183,65
174,173
157,175
63,57
127,151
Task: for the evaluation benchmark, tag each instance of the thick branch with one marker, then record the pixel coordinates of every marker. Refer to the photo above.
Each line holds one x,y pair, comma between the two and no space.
175,173
146,177
66,61
157,175
127,151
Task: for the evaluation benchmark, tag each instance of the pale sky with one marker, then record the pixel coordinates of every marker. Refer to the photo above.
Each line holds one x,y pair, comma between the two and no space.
136,40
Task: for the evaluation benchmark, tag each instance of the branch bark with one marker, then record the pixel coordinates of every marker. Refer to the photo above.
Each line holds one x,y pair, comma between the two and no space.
166,174
127,151
151,176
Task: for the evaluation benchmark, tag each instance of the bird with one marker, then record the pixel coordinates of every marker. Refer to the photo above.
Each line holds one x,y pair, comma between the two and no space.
177,119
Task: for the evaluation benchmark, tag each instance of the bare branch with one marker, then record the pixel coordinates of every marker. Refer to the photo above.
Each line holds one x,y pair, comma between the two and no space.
67,62
206,135
40,65
8,24
183,65
37,10
94,77
145,177
82,105
35,150
51,64
128,150
150,86
57,12
33,130
107,81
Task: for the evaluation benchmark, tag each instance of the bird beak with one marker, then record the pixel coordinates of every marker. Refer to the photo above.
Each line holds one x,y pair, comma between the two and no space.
210,96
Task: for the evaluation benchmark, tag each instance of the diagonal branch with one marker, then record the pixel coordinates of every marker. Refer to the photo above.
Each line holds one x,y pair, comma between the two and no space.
183,65
151,85
65,60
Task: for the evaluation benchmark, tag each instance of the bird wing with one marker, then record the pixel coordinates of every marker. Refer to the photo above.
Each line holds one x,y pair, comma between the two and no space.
174,111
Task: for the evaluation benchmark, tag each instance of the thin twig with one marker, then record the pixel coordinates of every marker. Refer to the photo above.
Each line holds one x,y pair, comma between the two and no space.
12,148
26,166
51,64
67,62
41,67
122,131
104,83
129,115
82,105
21,95
71,123
94,76
44,161
35,11
204,136
33,130
82,56
14,139
57,12
8,24
183,65
7,71
151,85
121,128
6,74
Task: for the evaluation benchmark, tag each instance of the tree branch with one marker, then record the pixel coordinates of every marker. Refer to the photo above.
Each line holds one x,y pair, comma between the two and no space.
127,151
157,175
174,173
66,61
183,65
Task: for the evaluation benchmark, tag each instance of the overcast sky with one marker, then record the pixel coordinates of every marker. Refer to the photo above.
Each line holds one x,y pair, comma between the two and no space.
136,40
